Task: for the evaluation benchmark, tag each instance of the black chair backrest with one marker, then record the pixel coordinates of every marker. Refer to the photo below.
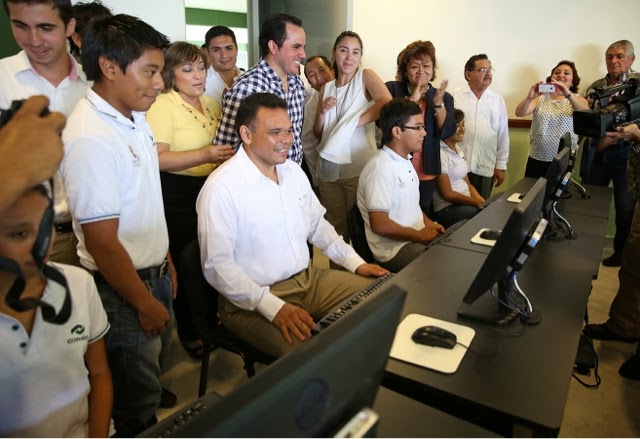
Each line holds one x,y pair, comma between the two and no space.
203,298
355,224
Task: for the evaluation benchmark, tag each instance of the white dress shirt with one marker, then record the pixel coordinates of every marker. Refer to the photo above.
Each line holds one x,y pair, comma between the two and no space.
253,232
486,141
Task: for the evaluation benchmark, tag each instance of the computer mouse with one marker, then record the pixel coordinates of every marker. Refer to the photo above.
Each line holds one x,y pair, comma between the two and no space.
491,235
434,336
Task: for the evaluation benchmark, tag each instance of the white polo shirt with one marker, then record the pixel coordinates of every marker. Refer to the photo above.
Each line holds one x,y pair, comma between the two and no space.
253,232
44,380
21,81
455,166
215,85
110,170
389,183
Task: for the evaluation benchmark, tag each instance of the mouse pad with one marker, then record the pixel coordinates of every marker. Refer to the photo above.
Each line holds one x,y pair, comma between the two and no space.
514,198
477,240
440,359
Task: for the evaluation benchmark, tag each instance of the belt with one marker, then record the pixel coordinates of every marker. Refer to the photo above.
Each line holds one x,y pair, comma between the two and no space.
146,274
66,227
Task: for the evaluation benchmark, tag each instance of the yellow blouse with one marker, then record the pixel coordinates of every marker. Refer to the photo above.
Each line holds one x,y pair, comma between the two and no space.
184,128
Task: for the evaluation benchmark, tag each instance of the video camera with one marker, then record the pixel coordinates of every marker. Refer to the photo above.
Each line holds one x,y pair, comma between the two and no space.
6,115
621,109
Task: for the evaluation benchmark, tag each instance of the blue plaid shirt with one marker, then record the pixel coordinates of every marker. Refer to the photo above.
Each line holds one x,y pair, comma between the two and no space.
262,79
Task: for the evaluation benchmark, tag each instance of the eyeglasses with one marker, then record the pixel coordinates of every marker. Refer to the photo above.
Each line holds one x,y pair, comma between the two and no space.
419,127
485,70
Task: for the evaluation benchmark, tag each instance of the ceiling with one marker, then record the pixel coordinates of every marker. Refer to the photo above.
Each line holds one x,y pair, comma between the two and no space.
218,5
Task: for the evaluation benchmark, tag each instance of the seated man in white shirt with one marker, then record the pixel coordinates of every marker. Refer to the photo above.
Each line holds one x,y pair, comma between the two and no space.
255,215
388,191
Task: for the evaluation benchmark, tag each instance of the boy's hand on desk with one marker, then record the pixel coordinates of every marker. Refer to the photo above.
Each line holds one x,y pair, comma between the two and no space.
293,319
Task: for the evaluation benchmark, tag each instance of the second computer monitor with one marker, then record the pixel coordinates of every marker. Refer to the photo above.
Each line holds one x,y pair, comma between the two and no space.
502,256
555,173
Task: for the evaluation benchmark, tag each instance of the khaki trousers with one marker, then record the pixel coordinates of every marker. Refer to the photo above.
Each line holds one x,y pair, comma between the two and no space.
316,290
65,249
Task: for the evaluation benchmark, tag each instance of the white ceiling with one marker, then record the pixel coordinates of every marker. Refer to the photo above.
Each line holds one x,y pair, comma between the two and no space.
218,5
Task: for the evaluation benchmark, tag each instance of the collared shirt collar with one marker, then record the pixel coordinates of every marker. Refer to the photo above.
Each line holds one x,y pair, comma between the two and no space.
176,99
251,172
293,81
447,149
104,107
23,63
623,77
394,155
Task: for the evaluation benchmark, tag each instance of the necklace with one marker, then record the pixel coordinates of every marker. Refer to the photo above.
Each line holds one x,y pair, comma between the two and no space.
340,108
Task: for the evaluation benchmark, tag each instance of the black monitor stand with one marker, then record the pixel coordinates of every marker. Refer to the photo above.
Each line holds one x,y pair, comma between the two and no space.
493,310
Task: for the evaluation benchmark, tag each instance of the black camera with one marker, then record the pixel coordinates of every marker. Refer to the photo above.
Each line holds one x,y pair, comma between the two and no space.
621,109
6,115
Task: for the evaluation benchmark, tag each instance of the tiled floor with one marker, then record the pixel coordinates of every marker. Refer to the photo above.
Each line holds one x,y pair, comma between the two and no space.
610,411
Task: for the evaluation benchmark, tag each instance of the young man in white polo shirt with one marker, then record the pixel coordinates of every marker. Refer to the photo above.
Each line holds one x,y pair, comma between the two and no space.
222,50
110,169
388,190
44,67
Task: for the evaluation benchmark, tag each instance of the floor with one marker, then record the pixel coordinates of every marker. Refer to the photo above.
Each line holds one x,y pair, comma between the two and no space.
605,412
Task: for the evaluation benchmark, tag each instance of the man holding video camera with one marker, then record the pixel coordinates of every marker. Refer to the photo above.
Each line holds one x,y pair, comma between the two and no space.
624,314
605,159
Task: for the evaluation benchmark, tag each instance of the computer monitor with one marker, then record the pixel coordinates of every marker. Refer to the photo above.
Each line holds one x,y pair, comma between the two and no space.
312,391
565,142
505,259
556,170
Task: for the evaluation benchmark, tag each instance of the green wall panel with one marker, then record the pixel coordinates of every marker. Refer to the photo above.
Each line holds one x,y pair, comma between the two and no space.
206,17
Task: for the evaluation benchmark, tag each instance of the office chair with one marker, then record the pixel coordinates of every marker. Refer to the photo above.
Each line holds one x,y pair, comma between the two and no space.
355,224
203,301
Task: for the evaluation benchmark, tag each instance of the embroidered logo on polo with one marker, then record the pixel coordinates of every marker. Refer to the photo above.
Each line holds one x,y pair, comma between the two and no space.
136,160
78,330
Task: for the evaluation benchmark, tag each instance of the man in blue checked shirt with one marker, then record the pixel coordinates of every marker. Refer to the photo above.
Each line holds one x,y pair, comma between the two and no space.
282,42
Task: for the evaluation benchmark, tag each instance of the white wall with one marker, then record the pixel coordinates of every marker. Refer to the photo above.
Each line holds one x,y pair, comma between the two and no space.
167,16
523,39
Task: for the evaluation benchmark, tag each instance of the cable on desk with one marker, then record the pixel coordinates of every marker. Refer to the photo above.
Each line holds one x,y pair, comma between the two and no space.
481,354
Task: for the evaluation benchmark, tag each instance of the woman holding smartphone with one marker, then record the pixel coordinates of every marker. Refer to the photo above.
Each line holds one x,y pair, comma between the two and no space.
552,104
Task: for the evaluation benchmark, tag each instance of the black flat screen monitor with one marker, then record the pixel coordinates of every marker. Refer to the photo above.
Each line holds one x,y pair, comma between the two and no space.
312,391
495,268
565,143
555,172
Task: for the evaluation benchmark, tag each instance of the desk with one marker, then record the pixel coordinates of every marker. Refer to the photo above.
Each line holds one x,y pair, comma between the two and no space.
526,384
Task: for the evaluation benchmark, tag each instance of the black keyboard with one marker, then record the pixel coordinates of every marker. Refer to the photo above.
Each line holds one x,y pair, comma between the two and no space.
173,424
441,239
350,303
490,200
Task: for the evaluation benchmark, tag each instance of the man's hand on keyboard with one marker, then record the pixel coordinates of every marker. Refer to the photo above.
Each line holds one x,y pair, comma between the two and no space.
430,232
371,270
295,320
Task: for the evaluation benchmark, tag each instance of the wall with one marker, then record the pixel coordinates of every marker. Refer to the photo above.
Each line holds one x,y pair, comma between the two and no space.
524,40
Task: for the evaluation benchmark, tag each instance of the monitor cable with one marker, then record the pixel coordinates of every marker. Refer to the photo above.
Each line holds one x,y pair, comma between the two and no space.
595,372
481,354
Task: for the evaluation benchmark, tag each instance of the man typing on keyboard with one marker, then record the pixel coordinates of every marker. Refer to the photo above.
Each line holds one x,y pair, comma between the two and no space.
255,215
388,190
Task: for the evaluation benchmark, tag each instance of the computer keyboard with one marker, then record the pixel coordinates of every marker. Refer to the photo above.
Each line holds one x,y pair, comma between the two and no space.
441,239
173,424
350,303
490,200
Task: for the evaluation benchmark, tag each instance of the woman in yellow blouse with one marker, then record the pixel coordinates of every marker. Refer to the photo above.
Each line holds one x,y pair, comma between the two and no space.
184,122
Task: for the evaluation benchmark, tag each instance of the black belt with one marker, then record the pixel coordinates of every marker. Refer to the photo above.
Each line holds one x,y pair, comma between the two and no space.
66,227
146,274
